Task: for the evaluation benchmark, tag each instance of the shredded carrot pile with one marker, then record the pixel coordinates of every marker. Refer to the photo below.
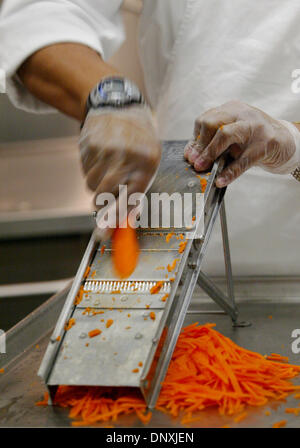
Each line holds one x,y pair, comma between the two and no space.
207,370
125,251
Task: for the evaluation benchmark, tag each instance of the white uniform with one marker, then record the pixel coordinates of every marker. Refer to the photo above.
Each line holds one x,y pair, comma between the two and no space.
196,54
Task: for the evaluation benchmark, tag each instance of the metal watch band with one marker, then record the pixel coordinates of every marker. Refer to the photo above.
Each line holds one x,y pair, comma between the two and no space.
296,174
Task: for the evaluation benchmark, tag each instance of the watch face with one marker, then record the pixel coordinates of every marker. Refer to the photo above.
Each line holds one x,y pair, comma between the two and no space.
115,92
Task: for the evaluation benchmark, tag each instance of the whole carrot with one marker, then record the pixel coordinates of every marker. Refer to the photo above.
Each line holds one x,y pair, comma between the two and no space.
125,250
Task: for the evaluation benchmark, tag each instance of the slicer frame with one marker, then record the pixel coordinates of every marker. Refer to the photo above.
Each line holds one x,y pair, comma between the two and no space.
171,315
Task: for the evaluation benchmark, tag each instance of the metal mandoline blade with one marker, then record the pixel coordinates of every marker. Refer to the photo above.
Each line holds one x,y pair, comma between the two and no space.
135,349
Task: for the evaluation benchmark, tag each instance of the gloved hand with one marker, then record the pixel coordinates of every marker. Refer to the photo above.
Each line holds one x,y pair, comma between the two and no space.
119,147
252,136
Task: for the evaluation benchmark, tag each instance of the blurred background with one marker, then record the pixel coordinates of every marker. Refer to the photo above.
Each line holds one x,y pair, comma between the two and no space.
45,208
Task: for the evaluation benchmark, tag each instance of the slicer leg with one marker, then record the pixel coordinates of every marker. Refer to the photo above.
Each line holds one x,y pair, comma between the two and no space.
229,306
217,295
230,289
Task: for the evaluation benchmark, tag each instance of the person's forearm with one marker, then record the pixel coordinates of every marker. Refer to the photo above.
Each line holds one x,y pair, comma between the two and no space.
62,75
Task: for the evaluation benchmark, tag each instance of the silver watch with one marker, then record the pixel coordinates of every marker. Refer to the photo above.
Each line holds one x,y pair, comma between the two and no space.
296,173
114,92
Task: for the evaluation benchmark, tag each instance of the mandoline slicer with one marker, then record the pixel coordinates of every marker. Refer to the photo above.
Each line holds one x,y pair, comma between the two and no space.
136,349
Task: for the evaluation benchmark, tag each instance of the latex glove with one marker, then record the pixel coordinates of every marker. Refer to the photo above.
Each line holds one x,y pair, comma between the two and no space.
119,147
252,136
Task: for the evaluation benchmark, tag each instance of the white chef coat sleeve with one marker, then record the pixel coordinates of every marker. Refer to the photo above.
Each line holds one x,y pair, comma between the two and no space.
29,25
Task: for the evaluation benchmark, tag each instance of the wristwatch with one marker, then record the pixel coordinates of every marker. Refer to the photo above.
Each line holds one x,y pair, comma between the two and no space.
114,92
296,173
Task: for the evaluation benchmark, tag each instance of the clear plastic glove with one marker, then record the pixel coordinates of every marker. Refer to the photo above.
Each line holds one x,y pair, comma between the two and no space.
119,147
251,136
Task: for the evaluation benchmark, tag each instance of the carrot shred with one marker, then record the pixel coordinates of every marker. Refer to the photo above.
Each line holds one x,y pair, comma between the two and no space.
169,236
43,402
182,246
295,411
94,333
157,287
207,370
203,183
164,298
87,271
102,249
2,370
109,323
79,296
125,250
240,417
152,315
172,266
279,424
70,324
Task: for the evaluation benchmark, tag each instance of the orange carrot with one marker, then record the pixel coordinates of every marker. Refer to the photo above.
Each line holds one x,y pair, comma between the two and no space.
172,266
87,271
125,251
94,333
164,298
79,296
109,323
203,183
279,424
157,287
182,246
240,417
295,411
152,315
207,370
2,370
169,236
70,324
43,402
102,249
